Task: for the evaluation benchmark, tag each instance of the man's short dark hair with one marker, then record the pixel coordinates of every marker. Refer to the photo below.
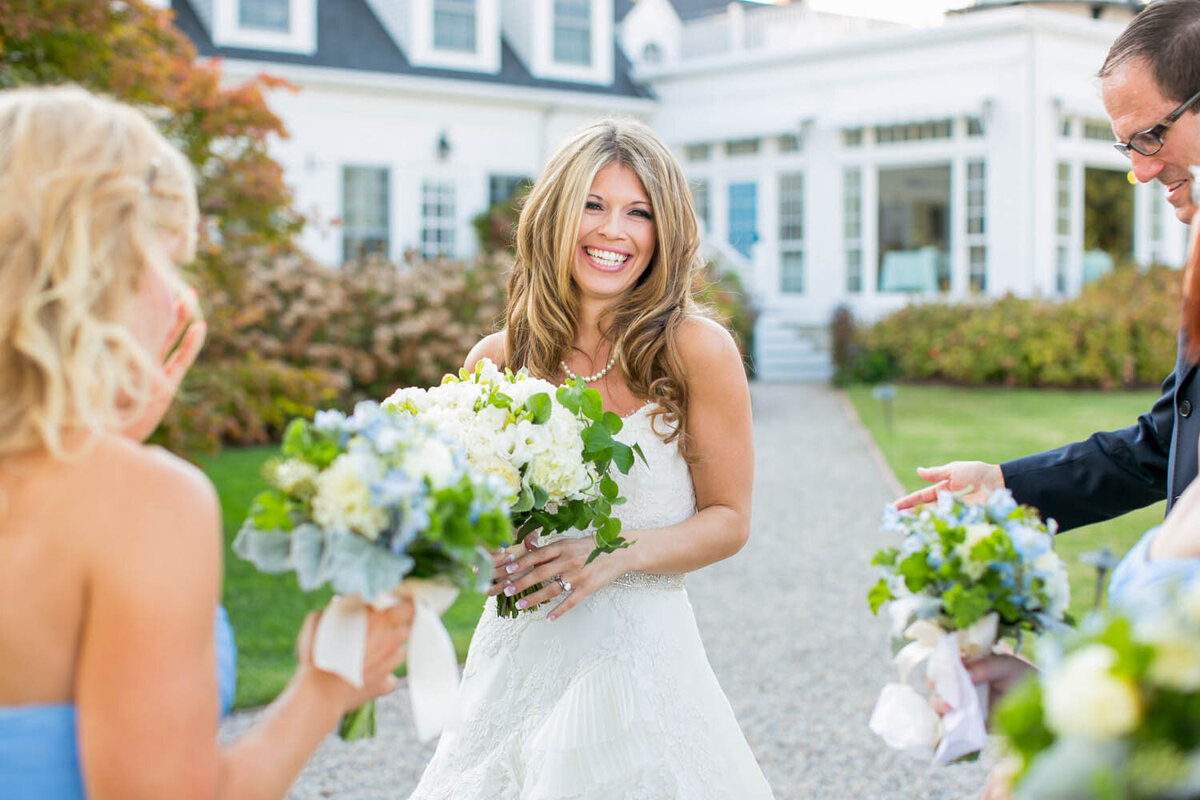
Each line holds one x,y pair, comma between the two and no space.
1167,35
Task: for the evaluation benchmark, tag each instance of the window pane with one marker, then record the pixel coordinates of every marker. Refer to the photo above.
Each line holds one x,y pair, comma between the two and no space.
700,201
697,152
741,147
791,271
978,269
437,219
791,207
914,229
573,32
366,215
266,15
454,25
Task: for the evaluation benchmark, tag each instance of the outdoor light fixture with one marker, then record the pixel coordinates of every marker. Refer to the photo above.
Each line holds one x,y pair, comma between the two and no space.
443,146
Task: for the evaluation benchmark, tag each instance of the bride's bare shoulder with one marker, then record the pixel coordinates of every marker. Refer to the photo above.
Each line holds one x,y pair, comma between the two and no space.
491,347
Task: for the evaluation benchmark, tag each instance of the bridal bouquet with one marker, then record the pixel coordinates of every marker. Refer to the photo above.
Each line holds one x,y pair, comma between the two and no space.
378,506
1116,711
551,446
963,577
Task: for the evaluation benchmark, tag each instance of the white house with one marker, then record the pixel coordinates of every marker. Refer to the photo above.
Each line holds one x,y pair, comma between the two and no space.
834,160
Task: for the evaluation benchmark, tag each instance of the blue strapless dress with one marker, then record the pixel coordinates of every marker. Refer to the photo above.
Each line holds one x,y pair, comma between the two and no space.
39,757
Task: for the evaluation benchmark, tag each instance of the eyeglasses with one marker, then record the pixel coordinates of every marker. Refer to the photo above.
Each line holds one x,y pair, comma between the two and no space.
1150,141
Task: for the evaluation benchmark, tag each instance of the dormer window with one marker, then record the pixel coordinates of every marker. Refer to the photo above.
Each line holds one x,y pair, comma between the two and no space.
265,15
454,25
285,26
573,32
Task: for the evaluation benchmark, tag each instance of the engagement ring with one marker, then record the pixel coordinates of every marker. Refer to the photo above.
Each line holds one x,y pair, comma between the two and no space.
566,585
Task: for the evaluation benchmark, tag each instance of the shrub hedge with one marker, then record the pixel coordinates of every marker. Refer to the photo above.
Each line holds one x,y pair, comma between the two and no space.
1120,331
290,336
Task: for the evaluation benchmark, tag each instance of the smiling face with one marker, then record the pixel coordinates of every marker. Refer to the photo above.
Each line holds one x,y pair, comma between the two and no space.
1134,103
617,235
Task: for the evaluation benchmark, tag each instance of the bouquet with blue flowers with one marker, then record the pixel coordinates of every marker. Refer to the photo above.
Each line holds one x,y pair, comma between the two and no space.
962,578
378,506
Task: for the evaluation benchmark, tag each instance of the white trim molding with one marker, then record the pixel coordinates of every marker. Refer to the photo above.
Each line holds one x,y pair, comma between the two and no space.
301,37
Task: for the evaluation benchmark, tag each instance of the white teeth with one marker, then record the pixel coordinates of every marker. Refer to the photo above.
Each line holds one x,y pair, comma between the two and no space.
605,257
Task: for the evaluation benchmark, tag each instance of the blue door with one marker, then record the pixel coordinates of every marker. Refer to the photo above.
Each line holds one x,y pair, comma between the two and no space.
743,216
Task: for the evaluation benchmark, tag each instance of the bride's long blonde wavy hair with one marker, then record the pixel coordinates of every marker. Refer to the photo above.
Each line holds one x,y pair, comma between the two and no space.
88,191
642,327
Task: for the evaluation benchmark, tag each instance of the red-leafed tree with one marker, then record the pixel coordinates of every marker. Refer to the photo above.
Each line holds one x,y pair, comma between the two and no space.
130,50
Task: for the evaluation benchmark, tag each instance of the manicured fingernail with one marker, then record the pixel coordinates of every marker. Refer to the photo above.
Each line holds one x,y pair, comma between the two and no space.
522,603
509,558
511,568
551,618
510,590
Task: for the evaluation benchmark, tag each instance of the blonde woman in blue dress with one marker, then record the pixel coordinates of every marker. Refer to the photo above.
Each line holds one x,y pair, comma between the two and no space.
110,551
604,691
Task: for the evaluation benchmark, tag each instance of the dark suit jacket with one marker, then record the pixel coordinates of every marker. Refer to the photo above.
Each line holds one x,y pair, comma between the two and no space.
1112,473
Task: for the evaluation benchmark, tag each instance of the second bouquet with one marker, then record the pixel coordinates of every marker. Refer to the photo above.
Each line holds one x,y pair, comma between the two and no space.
552,446
962,578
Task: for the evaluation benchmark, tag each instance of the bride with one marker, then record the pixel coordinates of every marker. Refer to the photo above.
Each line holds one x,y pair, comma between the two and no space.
604,691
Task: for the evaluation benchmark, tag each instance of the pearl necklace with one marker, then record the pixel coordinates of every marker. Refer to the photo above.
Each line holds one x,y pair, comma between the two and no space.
589,378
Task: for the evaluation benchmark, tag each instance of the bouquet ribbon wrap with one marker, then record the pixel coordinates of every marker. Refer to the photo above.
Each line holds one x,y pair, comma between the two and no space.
903,716
432,663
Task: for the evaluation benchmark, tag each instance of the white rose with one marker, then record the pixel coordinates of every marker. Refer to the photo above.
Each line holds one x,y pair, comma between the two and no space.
343,498
1083,698
291,474
412,399
1176,663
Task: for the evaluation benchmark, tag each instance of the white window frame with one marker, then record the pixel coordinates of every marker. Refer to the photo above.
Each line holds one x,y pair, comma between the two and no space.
422,51
300,38
791,231
976,225
368,231
853,240
446,225
600,71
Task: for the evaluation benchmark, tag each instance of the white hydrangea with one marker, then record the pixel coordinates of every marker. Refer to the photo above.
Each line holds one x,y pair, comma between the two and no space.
976,532
1050,568
343,498
433,460
291,474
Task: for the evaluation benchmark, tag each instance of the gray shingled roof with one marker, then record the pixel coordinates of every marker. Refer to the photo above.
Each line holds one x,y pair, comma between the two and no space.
350,36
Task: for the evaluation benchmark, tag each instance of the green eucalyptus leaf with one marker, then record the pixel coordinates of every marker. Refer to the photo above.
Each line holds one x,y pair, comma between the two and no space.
539,407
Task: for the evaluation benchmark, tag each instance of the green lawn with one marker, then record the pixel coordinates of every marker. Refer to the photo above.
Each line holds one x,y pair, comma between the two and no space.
935,424
266,610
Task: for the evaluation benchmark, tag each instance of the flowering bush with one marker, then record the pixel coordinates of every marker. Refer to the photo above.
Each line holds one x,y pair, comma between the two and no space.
551,447
1116,711
1120,331
290,335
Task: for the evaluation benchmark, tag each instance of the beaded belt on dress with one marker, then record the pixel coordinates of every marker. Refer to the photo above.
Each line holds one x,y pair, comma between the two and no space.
649,580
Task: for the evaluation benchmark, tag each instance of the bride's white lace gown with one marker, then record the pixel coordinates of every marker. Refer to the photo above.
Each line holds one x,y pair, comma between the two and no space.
614,701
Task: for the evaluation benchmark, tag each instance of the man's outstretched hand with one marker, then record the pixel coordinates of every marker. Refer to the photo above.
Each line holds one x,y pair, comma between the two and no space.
978,476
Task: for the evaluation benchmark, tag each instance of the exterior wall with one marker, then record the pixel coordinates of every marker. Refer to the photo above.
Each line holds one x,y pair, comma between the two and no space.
397,124
1020,71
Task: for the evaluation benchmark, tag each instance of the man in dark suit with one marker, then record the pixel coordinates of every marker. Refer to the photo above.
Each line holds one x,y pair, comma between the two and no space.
1150,84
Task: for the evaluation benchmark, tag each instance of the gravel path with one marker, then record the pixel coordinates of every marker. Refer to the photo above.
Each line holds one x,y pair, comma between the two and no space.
785,623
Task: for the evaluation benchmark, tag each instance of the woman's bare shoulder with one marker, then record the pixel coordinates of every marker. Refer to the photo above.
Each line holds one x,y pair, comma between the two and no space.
706,342
490,347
